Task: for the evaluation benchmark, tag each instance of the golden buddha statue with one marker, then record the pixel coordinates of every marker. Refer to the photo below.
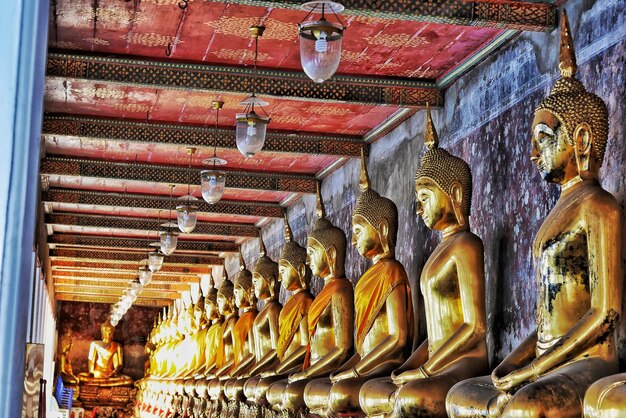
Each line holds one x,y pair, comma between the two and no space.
330,320
105,361
293,335
197,340
453,286
577,253
212,337
383,308
64,364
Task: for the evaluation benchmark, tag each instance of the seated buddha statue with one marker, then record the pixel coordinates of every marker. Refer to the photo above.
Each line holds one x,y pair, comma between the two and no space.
265,327
452,283
197,339
577,258
330,320
63,361
212,339
293,335
382,304
105,361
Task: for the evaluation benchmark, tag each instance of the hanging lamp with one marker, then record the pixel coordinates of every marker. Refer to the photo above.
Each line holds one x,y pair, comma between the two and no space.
169,237
320,40
187,211
250,126
155,258
213,181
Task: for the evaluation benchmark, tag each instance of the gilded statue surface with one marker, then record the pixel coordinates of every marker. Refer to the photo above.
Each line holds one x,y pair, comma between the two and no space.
330,317
383,308
63,361
577,257
453,286
105,360
293,333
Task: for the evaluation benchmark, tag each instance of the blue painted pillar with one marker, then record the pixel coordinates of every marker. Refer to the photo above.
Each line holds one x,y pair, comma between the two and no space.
23,35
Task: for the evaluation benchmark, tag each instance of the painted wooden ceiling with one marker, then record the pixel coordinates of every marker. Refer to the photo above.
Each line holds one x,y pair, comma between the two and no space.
129,88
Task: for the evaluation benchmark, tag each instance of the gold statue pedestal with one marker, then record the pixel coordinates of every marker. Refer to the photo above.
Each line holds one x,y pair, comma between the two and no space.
121,397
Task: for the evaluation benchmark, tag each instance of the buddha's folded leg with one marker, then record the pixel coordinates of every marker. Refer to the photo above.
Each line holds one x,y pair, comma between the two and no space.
275,394
559,393
249,387
424,397
234,389
607,397
377,396
316,395
344,395
293,397
471,398
260,392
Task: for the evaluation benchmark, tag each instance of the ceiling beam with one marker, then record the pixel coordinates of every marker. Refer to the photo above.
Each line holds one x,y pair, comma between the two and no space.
135,257
294,85
120,285
120,200
219,229
113,291
512,14
295,183
125,276
199,136
141,301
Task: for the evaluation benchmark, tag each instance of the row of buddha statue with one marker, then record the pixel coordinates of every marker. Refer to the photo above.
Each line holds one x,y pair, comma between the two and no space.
348,351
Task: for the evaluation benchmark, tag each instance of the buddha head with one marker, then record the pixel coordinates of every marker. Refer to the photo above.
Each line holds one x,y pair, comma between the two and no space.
443,185
198,313
570,129
293,272
265,275
225,296
210,303
374,221
244,291
65,342
107,330
326,245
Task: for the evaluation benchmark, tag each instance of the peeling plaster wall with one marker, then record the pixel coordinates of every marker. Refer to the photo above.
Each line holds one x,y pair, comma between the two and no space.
486,120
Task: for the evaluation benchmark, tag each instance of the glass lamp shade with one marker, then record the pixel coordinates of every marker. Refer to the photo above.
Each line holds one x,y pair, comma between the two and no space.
145,275
213,185
187,216
136,288
155,261
250,132
320,49
169,240
114,322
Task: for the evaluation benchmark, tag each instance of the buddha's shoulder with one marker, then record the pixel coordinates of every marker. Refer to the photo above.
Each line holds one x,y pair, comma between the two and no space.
467,240
598,200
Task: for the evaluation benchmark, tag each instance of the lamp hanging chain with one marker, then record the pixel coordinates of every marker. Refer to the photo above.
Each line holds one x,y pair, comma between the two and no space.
169,218
217,118
189,175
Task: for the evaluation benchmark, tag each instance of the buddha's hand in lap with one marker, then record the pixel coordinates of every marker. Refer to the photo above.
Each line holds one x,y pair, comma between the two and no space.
268,373
347,374
513,379
401,378
296,376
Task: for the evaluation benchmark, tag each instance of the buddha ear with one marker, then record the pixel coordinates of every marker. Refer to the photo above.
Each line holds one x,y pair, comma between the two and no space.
383,231
456,194
302,272
583,139
331,255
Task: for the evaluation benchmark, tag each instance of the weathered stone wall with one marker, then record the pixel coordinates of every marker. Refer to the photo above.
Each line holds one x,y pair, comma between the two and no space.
84,321
486,120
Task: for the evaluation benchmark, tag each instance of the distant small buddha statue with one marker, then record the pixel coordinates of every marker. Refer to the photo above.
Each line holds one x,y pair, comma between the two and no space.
383,307
453,286
105,361
330,319
577,256
214,332
293,335
63,361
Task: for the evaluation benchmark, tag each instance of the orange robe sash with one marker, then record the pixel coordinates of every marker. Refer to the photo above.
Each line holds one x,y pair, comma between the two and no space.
240,333
318,306
371,293
296,308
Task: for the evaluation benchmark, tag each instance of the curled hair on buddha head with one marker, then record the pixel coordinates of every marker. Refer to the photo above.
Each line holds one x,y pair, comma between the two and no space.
267,268
571,103
211,293
226,288
294,254
243,278
374,207
327,235
443,168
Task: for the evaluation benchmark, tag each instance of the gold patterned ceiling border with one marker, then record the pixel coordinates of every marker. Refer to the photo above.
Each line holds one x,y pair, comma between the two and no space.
284,84
512,14
113,291
102,283
185,135
298,183
125,276
141,301
131,257
208,228
136,250
129,200
108,263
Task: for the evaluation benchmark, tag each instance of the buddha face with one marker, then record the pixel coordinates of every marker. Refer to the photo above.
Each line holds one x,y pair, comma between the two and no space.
365,237
223,305
240,297
289,276
317,258
261,287
209,310
433,205
552,151
107,333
